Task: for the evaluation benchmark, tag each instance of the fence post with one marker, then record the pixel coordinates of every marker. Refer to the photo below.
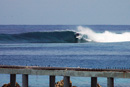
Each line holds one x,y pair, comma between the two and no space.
66,81
24,80
52,81
12,80
110,82
93,81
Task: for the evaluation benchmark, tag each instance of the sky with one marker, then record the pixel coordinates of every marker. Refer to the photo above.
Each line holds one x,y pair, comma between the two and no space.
64,12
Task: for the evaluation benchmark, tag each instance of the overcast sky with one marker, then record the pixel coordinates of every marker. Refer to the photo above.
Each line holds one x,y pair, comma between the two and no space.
66,12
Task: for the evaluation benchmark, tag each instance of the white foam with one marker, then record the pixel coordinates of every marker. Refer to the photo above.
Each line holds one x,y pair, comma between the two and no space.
106,36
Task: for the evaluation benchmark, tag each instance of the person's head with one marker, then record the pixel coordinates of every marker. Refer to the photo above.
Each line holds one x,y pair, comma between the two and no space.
77,34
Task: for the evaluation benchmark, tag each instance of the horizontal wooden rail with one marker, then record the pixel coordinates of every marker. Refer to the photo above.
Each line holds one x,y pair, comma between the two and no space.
65,71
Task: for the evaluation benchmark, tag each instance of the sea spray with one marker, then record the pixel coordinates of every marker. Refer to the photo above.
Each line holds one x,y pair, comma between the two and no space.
106,36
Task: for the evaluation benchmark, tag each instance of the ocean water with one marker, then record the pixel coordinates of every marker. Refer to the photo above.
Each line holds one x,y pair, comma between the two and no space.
98,46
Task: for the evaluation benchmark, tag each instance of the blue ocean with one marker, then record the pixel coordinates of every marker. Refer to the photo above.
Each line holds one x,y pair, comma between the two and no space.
85,46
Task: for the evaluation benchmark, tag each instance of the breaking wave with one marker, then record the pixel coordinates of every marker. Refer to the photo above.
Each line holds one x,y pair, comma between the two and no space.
106,36
39,37
81,35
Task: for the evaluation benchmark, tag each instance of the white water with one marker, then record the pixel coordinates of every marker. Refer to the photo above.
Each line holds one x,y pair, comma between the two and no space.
106,36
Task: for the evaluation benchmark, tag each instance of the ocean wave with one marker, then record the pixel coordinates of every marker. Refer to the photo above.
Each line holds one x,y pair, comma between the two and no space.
39,37
81,35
